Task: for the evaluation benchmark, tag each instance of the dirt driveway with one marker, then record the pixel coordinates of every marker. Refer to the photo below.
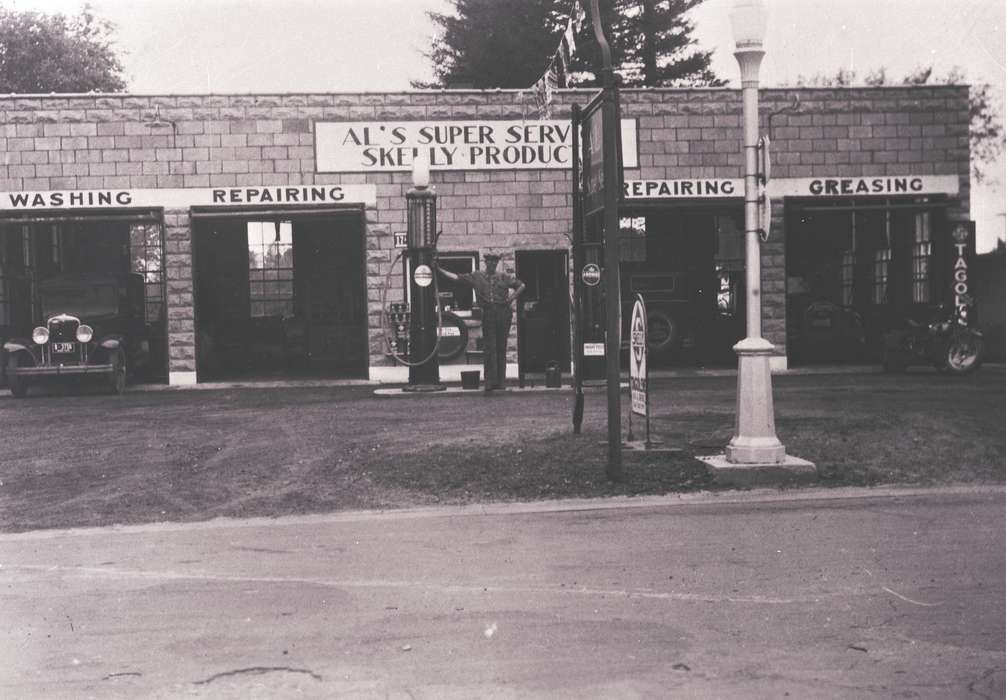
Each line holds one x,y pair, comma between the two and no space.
184,455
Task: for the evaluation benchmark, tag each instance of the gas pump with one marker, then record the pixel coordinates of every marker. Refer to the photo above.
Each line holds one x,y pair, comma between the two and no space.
421,241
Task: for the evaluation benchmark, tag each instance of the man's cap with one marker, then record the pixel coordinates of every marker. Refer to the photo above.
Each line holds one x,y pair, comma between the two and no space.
492,256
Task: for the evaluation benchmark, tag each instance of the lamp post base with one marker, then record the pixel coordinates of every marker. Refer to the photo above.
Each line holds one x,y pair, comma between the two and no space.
754,440
792,470
755,456
424,387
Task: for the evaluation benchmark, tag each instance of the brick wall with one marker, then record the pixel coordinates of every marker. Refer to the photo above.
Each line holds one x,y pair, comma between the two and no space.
140,142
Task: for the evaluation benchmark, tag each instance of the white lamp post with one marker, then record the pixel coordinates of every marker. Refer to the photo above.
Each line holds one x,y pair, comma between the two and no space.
754,440
754,454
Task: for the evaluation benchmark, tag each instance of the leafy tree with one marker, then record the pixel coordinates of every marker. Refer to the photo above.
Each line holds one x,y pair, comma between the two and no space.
651,45
495,43
986,134
509,43
41,53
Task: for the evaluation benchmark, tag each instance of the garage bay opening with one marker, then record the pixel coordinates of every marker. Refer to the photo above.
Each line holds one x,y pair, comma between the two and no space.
48,261
688,263
280,296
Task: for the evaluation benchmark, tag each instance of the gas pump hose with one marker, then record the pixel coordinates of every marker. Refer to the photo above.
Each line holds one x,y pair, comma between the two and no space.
386,323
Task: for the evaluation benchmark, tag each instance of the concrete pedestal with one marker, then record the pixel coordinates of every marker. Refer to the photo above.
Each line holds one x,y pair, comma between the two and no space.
789,471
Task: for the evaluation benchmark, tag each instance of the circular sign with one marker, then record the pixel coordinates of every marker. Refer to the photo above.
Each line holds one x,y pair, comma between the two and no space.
423,276
960,233
637,336
591,275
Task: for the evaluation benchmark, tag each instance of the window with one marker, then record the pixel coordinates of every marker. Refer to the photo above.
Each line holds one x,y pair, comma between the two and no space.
56,240
632,239
270,268
922,248
848,271
881,271
146,258
457,296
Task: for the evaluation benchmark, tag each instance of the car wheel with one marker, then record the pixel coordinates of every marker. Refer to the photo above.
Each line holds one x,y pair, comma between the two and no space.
18,385
117,379
453,337
662,332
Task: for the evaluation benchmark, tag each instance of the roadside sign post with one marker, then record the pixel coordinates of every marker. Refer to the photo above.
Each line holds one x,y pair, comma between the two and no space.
639,376
597,194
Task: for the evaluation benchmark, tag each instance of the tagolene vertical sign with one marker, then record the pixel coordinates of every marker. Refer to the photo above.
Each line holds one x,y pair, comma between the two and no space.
962,256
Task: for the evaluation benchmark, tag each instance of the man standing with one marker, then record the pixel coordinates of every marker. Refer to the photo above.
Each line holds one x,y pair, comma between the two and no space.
495,292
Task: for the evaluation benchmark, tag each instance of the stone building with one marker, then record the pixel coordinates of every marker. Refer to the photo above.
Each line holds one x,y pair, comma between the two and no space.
265,226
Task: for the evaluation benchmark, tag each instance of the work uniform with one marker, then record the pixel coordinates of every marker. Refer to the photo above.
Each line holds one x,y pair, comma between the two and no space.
491,291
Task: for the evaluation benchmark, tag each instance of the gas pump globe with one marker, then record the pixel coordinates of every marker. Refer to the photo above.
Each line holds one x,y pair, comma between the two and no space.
421,206
421,238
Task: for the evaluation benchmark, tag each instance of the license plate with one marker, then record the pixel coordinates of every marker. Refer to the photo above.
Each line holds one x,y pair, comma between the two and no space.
62,347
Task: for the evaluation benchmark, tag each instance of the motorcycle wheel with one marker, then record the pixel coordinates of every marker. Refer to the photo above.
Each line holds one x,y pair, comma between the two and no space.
964,354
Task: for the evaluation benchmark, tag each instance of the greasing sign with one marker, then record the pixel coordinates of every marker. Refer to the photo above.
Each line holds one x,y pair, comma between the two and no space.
637,358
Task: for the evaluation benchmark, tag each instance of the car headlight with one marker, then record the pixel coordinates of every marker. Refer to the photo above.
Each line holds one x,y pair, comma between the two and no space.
84,333
40,335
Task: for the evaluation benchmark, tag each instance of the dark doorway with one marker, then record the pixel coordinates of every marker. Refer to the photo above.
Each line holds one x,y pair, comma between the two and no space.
543,320
688,265
34,251
853,271
281,297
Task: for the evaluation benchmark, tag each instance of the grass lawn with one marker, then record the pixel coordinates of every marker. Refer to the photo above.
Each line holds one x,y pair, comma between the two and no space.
152,456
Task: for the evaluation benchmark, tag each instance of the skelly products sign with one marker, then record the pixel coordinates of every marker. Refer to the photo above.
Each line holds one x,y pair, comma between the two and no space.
353,147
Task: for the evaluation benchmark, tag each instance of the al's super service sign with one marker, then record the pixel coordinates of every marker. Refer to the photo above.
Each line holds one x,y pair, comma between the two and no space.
543,144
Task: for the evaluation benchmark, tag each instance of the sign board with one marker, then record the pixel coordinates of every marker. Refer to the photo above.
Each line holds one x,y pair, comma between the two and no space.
962,255
593,153
593,349
713,188
637,358
401,240
183,198
449,332
538,144
591,275
683,189
423,276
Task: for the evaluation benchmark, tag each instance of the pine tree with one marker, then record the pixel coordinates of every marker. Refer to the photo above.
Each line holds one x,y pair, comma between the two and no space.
495,43
509,43
651,44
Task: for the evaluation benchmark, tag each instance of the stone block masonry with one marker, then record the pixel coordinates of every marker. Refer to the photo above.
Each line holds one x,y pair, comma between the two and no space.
93,142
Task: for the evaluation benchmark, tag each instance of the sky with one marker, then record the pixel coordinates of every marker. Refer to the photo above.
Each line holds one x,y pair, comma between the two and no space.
258,46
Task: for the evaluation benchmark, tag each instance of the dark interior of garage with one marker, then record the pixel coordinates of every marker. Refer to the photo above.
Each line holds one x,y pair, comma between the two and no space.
855,270
280,297
37,250
688,265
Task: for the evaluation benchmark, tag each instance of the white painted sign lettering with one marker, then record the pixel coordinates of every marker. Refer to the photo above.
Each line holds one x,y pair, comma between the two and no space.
351,147
189,197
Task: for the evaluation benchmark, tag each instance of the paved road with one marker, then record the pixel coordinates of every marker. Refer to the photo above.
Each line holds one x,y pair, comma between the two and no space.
838,595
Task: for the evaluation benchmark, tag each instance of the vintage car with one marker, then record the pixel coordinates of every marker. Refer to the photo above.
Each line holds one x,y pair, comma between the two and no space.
91,325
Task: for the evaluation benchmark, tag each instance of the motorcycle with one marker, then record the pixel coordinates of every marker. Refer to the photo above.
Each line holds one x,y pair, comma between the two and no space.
948,341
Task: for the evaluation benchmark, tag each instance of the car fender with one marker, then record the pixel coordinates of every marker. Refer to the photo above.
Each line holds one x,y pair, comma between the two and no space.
23,346
112,342
105,347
